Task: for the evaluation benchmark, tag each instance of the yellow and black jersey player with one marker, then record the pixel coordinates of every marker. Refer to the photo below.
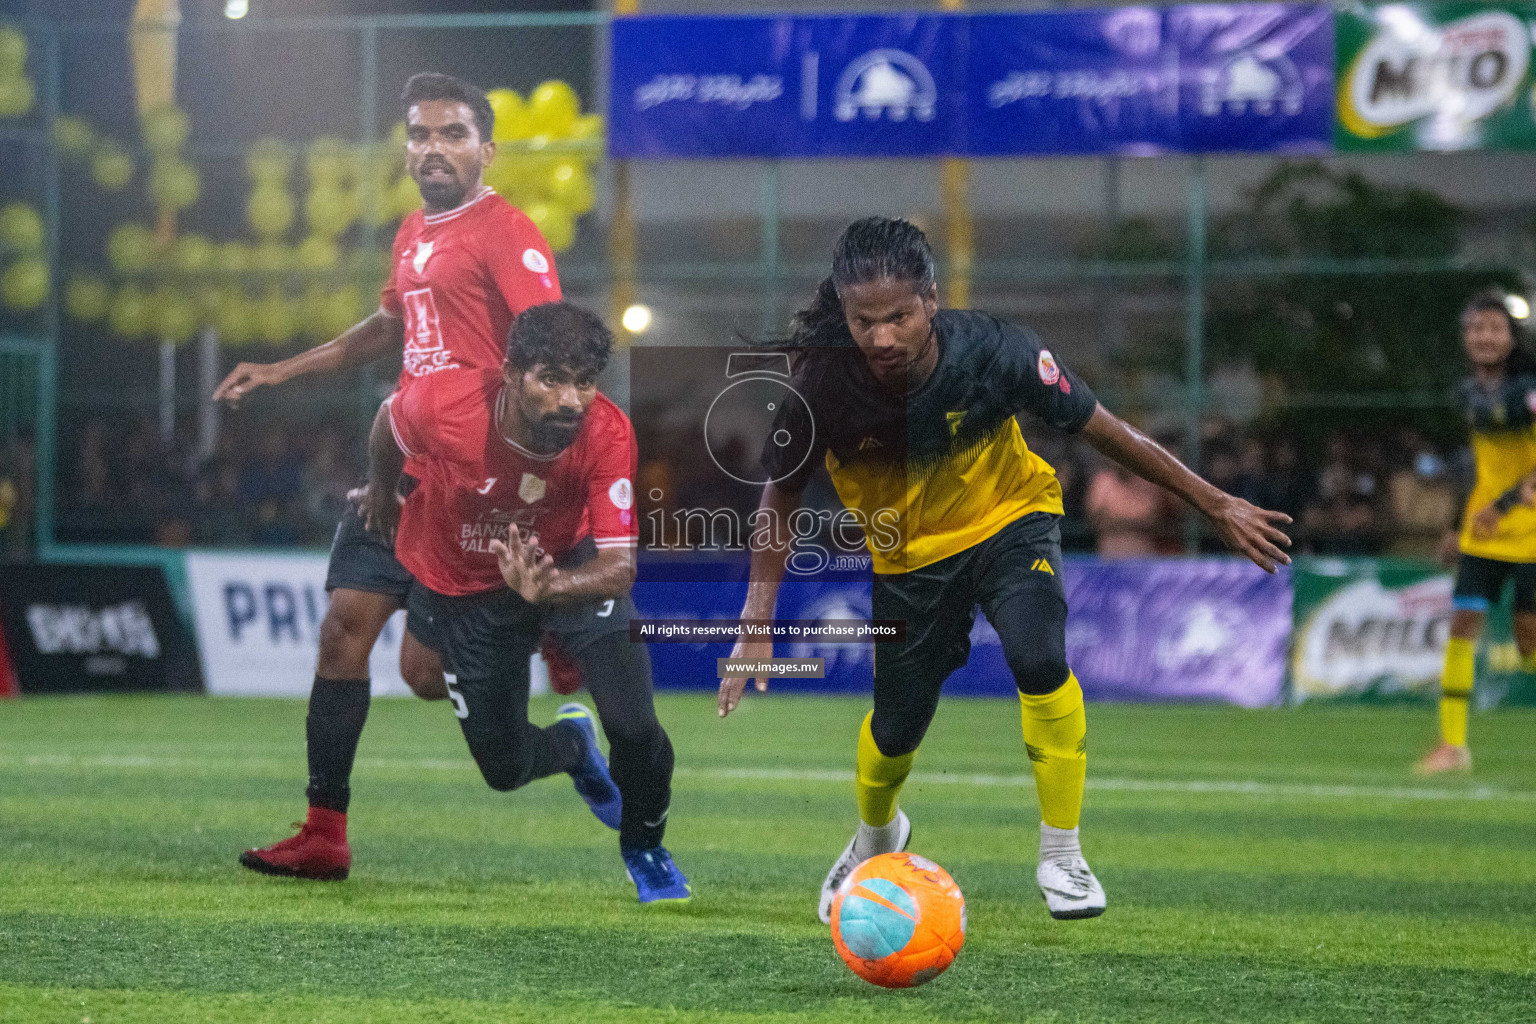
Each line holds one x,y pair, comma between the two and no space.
912,411
1496,545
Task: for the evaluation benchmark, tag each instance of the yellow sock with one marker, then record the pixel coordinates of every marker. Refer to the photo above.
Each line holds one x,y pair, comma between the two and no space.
1455,690
879,778
1056,737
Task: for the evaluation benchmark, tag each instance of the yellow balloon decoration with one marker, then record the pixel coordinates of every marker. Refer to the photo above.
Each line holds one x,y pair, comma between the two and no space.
175,317
24,285
194,254
13,52
132,313
74,137
342,309
21,228
268,163
511,115
317,253
111,166
232,257
570,186
328,161
269,211
587,128
554,223
165,130
236,321
174,184
131,248
330,210
87,299
271,258
553,108
17,95
404,197
276,318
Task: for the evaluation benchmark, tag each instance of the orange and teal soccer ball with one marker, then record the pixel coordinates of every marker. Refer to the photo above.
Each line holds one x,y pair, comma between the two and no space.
898,920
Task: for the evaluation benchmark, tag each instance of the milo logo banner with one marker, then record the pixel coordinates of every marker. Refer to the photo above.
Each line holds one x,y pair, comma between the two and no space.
1376,628
1435,78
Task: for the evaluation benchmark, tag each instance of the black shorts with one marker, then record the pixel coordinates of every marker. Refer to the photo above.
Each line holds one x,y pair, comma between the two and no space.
488,635
1480,584
361,561
577,625
938,602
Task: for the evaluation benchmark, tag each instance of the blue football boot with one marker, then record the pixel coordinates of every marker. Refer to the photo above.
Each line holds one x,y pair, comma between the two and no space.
656,878
591,777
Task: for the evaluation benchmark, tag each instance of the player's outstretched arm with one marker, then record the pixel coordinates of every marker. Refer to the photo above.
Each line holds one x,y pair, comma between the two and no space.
778,503
1246,528
380,500
363,342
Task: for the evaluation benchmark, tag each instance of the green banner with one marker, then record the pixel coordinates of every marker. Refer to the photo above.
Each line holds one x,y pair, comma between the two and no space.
1413,77
1368,628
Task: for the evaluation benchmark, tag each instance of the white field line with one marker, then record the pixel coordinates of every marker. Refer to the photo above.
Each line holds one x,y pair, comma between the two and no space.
1218,787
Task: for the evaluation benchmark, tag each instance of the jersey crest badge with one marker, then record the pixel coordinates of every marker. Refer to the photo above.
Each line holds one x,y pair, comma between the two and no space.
531,489
622,493
423,253
1050,373
535,261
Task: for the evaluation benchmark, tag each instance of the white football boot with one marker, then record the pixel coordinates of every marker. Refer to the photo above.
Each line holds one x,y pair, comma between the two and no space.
844,865
1070,890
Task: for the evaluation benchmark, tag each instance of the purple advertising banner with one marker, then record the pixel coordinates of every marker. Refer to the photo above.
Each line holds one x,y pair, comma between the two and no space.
1210,629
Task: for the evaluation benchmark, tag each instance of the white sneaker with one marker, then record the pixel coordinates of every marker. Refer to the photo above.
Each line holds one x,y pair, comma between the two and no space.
1069,888
844,865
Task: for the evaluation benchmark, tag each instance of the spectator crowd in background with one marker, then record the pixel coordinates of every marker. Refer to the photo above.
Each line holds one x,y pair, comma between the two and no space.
285,485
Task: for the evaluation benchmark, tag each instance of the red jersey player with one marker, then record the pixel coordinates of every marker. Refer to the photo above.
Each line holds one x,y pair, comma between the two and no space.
462,269
515,467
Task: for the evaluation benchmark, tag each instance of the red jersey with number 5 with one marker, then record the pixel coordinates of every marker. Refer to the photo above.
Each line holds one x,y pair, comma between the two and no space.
459,278
476,484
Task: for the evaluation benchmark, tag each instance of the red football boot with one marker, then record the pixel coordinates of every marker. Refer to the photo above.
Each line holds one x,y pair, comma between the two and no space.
564,676
319,851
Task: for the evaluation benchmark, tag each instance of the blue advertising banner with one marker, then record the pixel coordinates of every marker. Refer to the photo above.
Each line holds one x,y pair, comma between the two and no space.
1197,78
1211,629
771,87
1141,80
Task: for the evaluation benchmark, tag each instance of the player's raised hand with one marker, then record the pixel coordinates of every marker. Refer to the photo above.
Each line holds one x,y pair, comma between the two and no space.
243,379
731,687
1253,532
524,565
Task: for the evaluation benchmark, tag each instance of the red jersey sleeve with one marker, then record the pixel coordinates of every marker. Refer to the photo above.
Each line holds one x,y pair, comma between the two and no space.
611,484
521,265
389,295
412,414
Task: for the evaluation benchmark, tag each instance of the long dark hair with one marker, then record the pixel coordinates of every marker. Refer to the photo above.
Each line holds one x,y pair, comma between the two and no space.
1495,300
867,250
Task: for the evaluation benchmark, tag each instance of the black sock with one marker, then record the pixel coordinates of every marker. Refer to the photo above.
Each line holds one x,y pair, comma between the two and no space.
618,674
337,710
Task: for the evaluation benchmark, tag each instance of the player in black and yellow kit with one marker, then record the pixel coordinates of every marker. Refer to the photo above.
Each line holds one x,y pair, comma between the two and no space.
912,410
1497,540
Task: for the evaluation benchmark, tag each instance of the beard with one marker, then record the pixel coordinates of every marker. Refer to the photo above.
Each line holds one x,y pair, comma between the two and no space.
553,433
442,193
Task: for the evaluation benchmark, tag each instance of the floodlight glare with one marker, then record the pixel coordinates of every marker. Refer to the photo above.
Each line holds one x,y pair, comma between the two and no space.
636,319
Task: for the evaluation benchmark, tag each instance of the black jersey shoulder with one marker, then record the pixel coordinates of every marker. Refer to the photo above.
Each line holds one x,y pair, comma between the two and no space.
1510,406
988,371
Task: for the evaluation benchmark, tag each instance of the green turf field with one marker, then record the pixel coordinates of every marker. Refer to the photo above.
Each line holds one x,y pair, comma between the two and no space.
1260,866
